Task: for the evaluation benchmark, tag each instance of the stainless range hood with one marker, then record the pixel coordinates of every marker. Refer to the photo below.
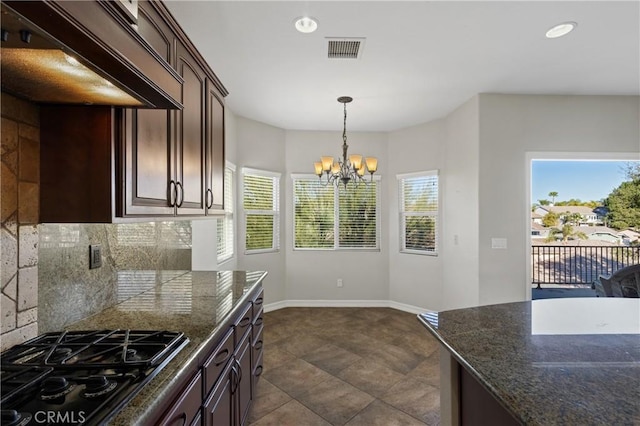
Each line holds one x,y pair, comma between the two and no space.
82,52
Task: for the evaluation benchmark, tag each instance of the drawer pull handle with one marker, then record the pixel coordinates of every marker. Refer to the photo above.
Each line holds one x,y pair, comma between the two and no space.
258,301
259,321
258,371
258,345
221,357
245,322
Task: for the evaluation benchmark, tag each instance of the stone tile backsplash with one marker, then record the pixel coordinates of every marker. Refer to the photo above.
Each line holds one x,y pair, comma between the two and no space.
19,201
70,291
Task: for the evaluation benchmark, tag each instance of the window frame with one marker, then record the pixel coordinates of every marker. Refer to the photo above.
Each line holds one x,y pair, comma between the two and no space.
229,213
336,221
402,214
275,212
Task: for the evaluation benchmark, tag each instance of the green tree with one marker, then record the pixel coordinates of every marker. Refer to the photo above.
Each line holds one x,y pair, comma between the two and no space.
544,202
624,206
566,232
624,201
553,195
550,219
571,218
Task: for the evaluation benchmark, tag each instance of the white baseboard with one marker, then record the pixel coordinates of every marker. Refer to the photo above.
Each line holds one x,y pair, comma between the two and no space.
343,304
408,308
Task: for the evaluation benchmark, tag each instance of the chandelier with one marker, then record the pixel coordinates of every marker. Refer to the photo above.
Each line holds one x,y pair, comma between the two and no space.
351,168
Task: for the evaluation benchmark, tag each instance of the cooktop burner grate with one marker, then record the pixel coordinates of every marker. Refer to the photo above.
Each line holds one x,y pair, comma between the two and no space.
87,349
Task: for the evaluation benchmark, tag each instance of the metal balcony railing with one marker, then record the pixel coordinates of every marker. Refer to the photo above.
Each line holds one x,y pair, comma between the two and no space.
575,265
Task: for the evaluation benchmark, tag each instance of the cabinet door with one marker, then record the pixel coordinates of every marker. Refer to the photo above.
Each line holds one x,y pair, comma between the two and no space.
243,361
218,409
149,185
190,146
215,149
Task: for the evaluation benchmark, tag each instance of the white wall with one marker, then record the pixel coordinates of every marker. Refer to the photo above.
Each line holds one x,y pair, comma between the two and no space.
510,127
460,286
261,146
312,275
414,280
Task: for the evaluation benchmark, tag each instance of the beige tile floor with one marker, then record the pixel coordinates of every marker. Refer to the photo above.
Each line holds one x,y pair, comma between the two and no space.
347,366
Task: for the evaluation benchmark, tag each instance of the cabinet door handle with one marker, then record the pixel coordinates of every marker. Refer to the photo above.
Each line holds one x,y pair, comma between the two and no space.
179,185
172,195
239,370
209,198
234,378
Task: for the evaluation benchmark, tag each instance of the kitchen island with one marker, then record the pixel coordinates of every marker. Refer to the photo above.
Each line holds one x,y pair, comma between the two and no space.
202,305
545,362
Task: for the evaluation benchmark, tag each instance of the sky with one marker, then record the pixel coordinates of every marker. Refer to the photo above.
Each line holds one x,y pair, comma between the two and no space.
584,180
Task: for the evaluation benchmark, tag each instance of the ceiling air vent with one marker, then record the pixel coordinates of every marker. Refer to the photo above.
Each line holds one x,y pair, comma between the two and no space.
344,48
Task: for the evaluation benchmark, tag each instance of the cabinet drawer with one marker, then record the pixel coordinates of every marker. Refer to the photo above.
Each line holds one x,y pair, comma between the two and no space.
186,407
217,361
258,303
243,323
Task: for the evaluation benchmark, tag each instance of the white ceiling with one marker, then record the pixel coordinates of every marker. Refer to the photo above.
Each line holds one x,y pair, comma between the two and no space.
421,59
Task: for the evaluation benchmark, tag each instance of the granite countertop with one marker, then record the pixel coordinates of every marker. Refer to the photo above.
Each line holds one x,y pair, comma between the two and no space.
557,361
195,303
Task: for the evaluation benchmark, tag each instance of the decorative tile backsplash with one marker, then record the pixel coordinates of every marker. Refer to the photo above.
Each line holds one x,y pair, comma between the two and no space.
19,203
140,252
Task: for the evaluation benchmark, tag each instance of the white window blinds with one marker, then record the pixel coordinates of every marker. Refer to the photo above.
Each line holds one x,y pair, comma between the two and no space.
419,211
333,218
261,206
225,247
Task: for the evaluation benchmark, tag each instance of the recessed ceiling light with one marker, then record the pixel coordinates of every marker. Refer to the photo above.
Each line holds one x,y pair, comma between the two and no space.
306,24
561,29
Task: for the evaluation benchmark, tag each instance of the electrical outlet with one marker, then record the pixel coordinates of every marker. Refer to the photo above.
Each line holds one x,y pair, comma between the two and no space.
95,256
339,282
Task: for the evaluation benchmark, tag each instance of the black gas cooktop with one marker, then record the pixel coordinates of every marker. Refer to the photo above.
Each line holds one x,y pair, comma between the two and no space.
80,377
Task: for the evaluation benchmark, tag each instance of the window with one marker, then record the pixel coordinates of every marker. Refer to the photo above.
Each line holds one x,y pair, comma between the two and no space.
326,217
224,246
261,205
419,206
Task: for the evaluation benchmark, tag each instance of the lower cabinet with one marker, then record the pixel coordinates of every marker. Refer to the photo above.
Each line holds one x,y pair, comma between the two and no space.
222,389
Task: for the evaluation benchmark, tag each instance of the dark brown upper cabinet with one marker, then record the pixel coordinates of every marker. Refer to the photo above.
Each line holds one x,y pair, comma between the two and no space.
113,164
